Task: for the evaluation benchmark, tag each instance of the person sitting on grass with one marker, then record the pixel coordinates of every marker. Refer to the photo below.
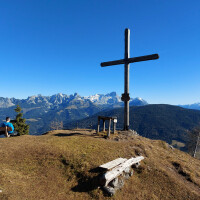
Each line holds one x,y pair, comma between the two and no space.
8,124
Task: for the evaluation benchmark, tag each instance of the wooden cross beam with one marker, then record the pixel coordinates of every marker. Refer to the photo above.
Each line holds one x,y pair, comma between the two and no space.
126,61
130,60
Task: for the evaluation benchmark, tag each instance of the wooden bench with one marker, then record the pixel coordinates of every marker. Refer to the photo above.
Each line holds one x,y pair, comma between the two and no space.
4,128
117,167
113,163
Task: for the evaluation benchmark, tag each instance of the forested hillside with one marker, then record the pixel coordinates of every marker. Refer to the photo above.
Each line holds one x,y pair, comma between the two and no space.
159,121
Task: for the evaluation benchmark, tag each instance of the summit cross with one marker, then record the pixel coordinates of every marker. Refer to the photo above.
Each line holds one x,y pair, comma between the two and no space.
126,61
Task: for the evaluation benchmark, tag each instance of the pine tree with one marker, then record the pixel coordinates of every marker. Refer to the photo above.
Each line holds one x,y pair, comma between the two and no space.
20,123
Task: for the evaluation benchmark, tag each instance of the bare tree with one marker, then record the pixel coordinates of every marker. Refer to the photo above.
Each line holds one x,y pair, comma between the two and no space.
56,125
197,147
193,143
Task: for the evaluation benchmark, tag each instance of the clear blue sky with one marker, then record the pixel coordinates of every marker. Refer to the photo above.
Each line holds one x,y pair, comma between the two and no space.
49,46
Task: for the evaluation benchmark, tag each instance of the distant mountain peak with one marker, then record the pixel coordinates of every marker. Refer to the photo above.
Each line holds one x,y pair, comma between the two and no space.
76,94
114,99
6,102
195,106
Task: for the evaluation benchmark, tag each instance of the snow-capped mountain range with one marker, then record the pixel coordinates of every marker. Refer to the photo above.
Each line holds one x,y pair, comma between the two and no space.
101,99
111,99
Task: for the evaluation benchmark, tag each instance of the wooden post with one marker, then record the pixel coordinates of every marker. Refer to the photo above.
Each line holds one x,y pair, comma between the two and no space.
126,80
104,125
114,126
98,126
109,127
6,131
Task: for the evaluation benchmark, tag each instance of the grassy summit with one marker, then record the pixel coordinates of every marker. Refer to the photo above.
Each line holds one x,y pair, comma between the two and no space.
60,165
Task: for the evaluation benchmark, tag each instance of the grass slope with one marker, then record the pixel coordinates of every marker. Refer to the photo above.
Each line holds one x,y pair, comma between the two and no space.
60,165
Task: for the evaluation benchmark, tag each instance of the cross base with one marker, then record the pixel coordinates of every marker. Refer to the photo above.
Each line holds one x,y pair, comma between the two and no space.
129,132
126,128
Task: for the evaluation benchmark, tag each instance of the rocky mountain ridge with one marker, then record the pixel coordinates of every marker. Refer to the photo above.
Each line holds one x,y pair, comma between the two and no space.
59,99
110,99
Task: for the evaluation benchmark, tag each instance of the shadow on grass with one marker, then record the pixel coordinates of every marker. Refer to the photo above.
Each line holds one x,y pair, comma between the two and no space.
86,184
73,134
67,135
98,170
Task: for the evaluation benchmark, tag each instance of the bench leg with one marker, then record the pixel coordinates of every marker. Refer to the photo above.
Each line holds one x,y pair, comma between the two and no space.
6,133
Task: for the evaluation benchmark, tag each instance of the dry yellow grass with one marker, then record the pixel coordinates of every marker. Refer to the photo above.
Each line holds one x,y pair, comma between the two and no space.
60,166
177,144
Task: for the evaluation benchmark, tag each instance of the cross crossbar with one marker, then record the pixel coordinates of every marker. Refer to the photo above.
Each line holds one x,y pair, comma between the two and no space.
130,60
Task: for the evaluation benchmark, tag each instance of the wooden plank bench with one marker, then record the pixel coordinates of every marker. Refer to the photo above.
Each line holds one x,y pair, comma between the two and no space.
117,167
4,128
113,163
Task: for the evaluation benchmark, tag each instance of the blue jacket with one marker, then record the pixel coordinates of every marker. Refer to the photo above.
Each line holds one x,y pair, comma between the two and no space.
8,124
